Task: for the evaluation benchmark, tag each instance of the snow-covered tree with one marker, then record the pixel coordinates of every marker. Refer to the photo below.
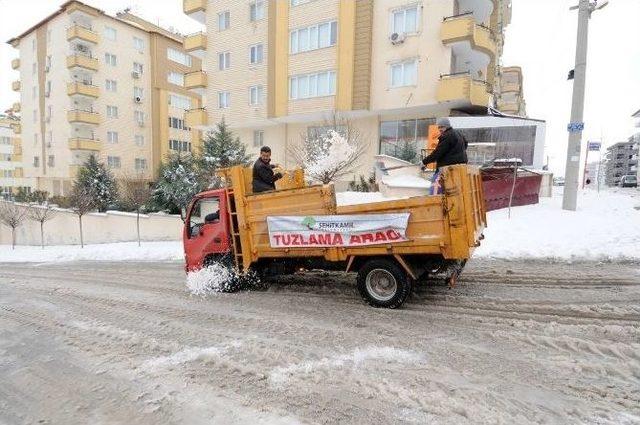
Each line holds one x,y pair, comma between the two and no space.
328,156
177,183
41,212
12,215
221,149
135,192
94,178
82,201
407,151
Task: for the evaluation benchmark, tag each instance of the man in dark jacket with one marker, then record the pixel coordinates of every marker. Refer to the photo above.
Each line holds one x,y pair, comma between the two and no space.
264,178
451,150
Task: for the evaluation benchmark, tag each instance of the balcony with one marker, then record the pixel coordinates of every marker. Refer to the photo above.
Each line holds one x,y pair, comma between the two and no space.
82,89
196,44
16,157
83,117
196,9
464,29
82,62
460,90
17,128
16,107
196,118
18,172
16,85
196,81
85,144
17,150
79,32
15,64
509,107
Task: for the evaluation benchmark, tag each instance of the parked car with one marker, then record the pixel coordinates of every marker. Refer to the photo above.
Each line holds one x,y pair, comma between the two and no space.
629,180
558,181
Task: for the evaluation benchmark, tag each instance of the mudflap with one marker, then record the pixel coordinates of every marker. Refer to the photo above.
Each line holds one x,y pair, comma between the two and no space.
452,272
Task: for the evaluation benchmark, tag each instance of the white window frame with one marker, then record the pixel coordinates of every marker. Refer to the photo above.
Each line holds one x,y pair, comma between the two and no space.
112,137
258,138
139,140
140,164
224,61
256,95
110,30
224,100
138,117
176,78
256,54
312,85
138,92
182,102
311,37
112,111
111,59
299,2
114,162
111,85
403,65
403,10
179,57
138,67
138,44
224,20
256,10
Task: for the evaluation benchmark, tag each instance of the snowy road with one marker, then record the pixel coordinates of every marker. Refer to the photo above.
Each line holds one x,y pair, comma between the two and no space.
125,343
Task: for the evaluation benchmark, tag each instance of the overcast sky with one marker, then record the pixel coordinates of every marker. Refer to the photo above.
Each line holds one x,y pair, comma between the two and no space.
541,39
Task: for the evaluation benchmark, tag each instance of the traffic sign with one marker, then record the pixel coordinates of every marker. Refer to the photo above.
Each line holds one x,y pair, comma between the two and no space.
595,146
575,127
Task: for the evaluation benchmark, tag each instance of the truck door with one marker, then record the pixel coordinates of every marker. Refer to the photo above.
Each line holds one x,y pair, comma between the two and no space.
205,231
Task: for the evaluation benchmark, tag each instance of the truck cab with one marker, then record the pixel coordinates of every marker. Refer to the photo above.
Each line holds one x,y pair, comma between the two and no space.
206,229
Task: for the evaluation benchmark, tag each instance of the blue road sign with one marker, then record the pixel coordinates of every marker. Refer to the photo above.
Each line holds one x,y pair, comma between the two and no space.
594,146
575,127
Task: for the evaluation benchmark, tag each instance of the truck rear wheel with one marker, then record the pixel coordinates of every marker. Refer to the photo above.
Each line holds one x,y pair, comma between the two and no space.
383,283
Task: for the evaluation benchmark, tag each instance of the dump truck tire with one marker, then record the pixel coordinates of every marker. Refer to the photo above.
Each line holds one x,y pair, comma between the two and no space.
383,283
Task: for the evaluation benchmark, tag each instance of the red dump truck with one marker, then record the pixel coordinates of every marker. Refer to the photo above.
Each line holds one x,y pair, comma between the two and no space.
390,244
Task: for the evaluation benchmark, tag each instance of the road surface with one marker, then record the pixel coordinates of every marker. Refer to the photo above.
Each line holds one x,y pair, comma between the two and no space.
124,343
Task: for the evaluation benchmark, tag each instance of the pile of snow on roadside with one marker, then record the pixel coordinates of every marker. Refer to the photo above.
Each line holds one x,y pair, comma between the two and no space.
353,360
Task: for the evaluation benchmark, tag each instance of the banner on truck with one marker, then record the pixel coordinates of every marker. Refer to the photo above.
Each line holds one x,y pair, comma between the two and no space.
337,230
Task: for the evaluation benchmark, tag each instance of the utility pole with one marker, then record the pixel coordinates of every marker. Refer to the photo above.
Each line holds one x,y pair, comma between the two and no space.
572,169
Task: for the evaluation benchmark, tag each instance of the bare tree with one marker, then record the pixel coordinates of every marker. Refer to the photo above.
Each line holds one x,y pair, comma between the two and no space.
12,215
327,157
41,213
135,192
82,201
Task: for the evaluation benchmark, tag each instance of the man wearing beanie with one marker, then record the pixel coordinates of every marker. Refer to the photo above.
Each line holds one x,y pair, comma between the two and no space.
451,150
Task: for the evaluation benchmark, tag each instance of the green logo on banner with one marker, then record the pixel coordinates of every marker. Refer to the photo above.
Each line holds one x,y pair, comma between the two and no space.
309,222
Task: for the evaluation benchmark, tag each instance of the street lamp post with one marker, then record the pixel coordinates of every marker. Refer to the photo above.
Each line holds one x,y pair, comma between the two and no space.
572,169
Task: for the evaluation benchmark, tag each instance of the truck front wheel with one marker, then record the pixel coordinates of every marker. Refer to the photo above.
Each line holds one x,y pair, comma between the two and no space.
383,283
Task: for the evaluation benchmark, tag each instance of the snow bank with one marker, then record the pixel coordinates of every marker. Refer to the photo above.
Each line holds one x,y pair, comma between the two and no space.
187,355
605,227
123,251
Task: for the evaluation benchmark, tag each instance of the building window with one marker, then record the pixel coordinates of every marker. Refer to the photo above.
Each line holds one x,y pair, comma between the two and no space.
320,132
312,85
137,67
139,140
138,93
50,138
179,146
4,140
35,115
181,102
176,78
404,73
33,44
112,136
139,117
179,57
223,20
111,85
51,162
256,10
404,139
404,20
255,95
113,161
178,123
224,61
111,59
224,99
257,54
36,161
258,138
141,164
138,44
112,111
110,33
314,37
49,112
34,68
34,92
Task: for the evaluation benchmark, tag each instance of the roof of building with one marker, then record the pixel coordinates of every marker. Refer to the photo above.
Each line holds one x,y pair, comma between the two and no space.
126,18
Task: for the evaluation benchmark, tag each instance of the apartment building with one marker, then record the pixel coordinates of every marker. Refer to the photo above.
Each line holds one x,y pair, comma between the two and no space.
622,160
279,70
11,170
111,86
511,99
